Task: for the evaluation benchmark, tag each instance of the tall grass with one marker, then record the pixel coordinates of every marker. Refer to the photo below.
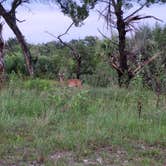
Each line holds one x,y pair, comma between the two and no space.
39,121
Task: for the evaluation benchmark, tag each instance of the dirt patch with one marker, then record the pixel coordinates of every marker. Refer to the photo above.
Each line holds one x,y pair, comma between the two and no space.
138,154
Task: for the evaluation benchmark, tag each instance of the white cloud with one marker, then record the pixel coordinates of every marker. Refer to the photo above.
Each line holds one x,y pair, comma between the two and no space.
41,18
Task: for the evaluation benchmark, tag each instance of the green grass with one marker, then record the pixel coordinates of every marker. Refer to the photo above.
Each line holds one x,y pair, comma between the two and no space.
95,126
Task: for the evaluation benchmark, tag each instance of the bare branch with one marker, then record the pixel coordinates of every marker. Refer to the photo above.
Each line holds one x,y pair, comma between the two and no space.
136,11
103,34
101,13
130,28
50,34
20,21
115,66
67,30
104,1
114,3
141,66
62,6
151,17
107,38
15,4
139,17
74,51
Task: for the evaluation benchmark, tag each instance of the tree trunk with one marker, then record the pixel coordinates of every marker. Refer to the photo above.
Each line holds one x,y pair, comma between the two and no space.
123,77
78,70
2,66
26,52
11,21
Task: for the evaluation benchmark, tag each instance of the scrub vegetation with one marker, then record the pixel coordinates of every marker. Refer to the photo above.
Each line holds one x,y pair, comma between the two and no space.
54,125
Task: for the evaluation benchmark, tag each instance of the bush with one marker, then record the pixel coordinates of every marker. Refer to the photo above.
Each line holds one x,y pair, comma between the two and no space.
104,76
15,63
38,84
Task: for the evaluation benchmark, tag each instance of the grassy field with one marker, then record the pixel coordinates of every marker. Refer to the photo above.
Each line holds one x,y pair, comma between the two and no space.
44,124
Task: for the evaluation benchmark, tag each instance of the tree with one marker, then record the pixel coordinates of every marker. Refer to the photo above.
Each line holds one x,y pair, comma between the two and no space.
68,7
151,41
2,66
14,61
85,48
82,52
77,10
10,18
113,14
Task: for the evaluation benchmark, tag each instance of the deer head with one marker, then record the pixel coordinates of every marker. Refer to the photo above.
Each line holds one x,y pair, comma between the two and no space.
61,77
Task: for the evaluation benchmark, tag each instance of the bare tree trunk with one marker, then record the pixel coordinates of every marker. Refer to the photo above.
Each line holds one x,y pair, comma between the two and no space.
26,52
114,11
123,77
11,21
2,66
78,69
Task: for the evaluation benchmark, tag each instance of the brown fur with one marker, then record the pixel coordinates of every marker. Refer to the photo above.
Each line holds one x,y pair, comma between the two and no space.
70,82
74,83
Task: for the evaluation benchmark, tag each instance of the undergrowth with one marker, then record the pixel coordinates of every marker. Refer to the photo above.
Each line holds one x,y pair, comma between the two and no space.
38,118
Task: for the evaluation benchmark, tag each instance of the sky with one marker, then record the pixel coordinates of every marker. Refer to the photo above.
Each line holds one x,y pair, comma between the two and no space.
40,18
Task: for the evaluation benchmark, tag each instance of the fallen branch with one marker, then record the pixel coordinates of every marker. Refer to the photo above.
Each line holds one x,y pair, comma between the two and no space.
141,66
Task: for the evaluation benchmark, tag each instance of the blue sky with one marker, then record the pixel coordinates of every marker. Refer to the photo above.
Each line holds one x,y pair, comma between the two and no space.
40,18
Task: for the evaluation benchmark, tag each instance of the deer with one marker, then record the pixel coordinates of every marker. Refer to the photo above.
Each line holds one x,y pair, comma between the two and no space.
70,82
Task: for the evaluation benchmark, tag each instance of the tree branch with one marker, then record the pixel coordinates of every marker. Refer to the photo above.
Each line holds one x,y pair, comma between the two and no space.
107,38
138,17
141,66
15,4
64,8
74,51
136,11
116,67
67,30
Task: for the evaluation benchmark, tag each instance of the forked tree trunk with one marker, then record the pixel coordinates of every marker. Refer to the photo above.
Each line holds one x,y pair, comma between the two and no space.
11,21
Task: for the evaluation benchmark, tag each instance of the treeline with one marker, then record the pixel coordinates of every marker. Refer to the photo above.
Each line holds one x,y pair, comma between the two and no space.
94,56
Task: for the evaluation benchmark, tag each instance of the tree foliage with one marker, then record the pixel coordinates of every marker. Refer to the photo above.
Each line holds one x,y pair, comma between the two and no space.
123,58
77,10
113,13
51,58
152,42
70,8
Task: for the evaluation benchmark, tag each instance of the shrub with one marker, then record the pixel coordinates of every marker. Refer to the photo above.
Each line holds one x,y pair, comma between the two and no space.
38,84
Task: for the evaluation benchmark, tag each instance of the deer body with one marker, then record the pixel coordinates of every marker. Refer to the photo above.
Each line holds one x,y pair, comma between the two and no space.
70,82
74,83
